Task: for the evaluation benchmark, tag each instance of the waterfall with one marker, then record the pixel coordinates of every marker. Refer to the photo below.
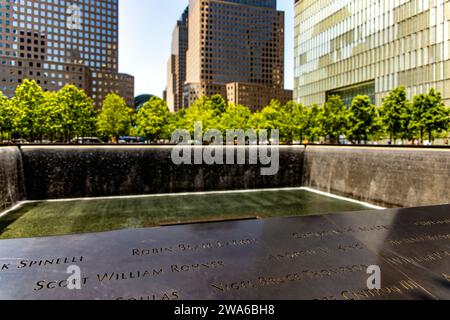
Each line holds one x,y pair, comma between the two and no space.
12,187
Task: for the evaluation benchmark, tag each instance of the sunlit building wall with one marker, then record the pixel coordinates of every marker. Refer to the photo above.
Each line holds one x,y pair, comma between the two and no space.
59,42
234,41
351,47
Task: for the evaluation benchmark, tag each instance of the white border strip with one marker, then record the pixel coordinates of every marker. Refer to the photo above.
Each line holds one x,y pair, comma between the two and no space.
22,203
330,195
16,207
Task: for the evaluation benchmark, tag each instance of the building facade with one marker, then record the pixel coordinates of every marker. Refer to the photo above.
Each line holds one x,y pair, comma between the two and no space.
233,42
351,47
177,64
58,43
255,96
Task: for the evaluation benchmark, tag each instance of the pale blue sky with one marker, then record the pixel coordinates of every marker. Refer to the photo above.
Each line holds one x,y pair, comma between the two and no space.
145,37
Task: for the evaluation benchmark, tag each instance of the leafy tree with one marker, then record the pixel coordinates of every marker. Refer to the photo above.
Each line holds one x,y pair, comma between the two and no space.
75,113
175,121
236,117
289,119
152,119
429,115
312,127
396,114
274,118
298,124
27,109
6,117
218,104
205,112
115,118
333,119
257,121
53,123
285,121
363,120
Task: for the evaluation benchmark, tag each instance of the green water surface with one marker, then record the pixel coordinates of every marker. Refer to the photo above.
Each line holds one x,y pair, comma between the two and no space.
76,217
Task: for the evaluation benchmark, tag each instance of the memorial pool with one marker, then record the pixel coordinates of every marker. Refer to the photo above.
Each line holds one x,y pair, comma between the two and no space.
77,216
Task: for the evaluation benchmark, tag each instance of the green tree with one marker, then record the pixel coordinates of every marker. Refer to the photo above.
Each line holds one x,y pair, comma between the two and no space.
235,117
396,114
152,119
312,126
298,124
205,112
363,120
27,107
272,116
276,117
6,117
175,121
429,115
257,121
333,119
53,123
218,104
115,118
74,113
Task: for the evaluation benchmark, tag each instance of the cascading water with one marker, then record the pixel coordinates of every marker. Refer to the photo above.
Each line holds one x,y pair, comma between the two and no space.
11,177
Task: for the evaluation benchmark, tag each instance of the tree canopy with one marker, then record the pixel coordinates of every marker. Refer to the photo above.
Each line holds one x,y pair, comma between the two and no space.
35,115
429,115
395,113
333,119
153,118
363,120
115,118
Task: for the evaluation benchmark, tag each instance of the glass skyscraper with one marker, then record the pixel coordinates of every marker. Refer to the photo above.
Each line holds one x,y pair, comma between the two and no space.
351,47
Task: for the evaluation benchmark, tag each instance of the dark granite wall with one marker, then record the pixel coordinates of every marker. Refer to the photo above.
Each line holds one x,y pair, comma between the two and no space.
54,173
393,177
11,177
385,176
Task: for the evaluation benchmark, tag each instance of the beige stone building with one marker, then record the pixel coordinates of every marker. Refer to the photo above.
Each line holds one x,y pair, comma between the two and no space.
351,47
255,96
58,43
234,43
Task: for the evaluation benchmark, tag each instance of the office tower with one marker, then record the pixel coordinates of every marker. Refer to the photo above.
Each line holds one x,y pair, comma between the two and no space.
58,43
236,49
351,47
177,64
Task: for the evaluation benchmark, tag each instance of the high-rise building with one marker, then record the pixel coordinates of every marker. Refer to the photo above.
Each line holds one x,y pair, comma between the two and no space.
59,42
255,96
233,44
177,63
351,47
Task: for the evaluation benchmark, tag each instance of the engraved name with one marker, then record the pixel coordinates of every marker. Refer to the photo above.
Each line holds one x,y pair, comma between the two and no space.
52,285
185,247
400,289
432,223
29,264
166,296
265,281
429,257
331,233
419,239
155,272
299,254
